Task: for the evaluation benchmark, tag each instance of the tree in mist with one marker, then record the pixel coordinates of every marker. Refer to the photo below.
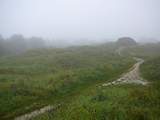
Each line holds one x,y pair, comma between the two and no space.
36,42
16,43
2,45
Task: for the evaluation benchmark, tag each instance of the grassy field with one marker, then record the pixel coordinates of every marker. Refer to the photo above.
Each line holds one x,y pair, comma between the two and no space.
121,102
73,76
50,76
126,102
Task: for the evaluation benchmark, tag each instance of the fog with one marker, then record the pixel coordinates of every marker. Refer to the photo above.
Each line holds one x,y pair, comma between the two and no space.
81,20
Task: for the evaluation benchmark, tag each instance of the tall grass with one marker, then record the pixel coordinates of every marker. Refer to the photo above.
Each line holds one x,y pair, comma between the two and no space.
41,77
121,102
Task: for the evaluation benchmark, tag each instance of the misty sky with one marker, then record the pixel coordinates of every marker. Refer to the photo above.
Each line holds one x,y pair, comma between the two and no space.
91,19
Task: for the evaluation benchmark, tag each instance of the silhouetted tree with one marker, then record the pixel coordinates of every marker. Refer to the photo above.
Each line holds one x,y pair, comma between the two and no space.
36,42
16,44
2,46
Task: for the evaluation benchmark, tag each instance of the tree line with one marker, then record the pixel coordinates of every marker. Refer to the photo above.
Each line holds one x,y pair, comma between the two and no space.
18,43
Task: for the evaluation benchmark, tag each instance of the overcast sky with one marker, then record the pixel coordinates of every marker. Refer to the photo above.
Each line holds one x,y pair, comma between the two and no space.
92,19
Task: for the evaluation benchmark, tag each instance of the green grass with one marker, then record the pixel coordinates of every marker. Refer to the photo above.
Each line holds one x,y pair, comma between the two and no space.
151,69
121,102
146,51
126,102
73,76
49,76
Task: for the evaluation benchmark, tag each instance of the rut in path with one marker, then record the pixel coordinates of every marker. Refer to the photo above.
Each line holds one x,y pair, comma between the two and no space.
133,76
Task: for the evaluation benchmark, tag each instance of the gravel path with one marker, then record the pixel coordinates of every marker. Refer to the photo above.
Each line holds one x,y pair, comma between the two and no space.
133,76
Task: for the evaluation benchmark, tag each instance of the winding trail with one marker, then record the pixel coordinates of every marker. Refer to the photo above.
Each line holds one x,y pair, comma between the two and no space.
131,77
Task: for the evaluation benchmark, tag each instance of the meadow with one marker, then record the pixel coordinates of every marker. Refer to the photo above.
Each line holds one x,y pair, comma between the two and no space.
50,76
73,77
120,102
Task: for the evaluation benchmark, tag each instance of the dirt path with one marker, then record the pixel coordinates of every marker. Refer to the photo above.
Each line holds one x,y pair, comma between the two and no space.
35,113
133,76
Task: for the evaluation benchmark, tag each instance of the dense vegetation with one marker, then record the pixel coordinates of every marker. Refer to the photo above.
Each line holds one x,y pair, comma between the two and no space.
73,77
126,102
151,70
18,44
121,102
50,76
146,51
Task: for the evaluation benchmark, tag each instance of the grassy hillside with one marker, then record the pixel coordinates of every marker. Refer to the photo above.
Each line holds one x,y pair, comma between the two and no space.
73,76
49,76
121,102
145,51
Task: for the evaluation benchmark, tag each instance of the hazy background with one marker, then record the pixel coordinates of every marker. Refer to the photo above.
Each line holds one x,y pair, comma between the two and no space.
81,19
